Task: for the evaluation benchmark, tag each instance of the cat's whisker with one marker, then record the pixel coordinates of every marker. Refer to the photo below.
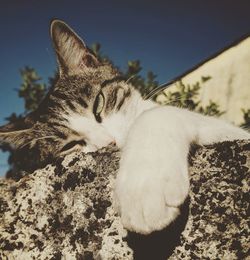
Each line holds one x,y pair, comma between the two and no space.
157,90
174,100
130,78
39,138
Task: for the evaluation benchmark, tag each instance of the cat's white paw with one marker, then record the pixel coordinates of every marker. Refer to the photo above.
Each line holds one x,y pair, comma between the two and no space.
148,202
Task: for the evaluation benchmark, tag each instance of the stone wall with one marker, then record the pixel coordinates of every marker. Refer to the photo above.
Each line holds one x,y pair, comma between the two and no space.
65,211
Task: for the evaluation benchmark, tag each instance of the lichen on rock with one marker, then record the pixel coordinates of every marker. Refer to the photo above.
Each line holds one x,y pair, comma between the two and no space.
65,210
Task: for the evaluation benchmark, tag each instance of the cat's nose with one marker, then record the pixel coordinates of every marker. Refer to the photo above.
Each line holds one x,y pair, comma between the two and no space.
113,142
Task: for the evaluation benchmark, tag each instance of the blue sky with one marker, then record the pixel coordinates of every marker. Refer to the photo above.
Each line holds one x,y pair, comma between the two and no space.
168,37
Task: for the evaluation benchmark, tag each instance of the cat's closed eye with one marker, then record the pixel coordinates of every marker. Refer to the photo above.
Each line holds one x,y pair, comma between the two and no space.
98,106
73,144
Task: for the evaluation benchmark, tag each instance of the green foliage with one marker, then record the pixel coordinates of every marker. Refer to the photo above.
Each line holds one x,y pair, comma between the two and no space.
246,116
31,90
212,109
132,72
14,118
96,49
186,96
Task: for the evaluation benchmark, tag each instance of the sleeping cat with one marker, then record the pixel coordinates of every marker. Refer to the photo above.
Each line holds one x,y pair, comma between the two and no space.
91,106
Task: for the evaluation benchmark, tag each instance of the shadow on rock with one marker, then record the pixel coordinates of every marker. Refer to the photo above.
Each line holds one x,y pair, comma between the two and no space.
160,244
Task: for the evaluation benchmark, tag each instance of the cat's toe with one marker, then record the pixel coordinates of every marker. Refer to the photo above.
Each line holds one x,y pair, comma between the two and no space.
176,191
156,213
143,207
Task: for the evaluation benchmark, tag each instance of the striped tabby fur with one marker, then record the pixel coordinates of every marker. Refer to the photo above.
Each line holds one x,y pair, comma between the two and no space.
83,81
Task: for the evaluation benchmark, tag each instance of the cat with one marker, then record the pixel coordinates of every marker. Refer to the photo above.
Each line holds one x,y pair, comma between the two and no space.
91,106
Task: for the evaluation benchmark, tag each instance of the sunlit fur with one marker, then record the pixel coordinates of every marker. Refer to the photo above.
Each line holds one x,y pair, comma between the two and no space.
152,180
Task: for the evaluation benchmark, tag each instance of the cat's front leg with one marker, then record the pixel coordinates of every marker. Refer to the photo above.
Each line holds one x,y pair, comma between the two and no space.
152,181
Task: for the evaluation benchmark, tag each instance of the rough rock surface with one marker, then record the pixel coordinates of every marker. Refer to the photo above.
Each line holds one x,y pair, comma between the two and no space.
65,211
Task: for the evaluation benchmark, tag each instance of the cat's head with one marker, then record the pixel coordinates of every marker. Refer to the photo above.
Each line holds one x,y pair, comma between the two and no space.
90,105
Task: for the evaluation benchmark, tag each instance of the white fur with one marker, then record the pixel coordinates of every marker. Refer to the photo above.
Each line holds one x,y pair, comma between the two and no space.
153,180
119,123
94,133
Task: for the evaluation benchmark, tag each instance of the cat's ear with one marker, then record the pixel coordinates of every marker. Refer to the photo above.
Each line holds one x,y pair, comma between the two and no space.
72,54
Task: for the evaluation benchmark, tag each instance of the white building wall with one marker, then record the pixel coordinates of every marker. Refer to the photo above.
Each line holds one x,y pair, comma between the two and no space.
229,85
